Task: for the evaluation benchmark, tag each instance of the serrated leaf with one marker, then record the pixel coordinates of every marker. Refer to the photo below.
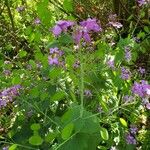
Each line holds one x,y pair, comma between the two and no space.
66,132
104,133
123,122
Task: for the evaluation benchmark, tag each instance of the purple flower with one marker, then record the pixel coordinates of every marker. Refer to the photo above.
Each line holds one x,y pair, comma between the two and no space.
148,106
91,25
87,93
37,21
53,61
84,30
127,53
125,73
130,139
128,98
141,70
141,89
5,148
20,8
133,129
142,2
113,21
7,72
110,64
76,64
53,50
8,95
62,26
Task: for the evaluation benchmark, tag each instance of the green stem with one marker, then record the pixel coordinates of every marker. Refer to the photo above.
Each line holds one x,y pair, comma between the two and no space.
82,83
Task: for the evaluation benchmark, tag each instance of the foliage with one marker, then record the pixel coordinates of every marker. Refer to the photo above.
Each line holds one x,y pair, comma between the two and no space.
69,83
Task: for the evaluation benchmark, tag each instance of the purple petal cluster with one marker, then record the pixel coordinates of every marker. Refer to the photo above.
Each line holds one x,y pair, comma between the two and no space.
128,98
110,64
130,139
88,93
113,21
141,70
84,30
8,95
20,8
125,73
91,25
76,64
62,26
6,148
7,72
37,21
54,56
130,136
133,129
127,53
142,2
141,89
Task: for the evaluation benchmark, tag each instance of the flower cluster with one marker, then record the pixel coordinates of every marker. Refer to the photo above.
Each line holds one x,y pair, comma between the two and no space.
125,73
110,63
113,21
8,95
142,2
37,21
20,8
80,32
127,53
128,98
130,136
141,70
62,26
141,89
54,57
84,30
87,93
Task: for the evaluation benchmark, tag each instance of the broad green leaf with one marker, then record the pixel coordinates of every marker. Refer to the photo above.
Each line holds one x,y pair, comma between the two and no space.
35,126
50,136
16,80
104,133
66,132
123,122
35,140
68,5
22,53
54,73
58,96
13,147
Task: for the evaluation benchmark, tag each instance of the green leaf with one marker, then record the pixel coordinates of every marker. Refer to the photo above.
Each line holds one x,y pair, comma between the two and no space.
65,39
35,126
104,133
66,132
22,53
146,29
35,140
54,73
58,96
123,122
13,147
68,5
50,137
16,80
